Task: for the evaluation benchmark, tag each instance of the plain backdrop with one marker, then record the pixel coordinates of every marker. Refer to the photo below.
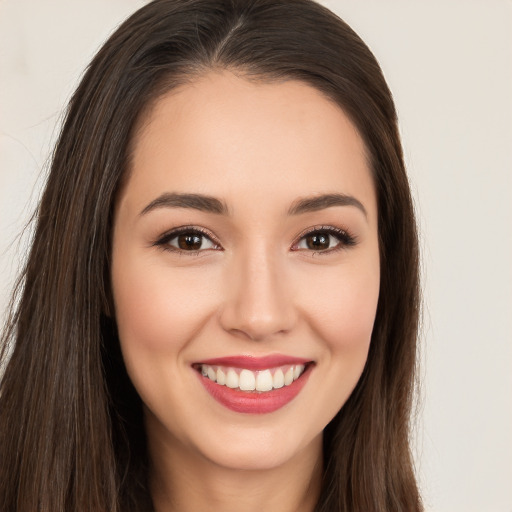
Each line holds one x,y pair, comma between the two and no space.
449,65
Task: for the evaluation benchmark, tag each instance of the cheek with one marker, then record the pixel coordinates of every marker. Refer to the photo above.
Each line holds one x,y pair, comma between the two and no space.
343,309
341,313
158,312
158,309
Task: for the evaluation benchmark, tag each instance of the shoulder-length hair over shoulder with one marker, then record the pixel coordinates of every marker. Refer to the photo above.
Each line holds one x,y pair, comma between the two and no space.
71,434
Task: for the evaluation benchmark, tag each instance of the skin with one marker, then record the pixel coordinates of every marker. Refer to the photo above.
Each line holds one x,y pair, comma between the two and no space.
256,290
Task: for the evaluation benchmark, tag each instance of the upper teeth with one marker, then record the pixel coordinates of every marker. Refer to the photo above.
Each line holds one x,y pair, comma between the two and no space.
248,380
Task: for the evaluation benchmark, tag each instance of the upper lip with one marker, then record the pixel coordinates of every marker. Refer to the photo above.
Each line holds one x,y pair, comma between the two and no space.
255,362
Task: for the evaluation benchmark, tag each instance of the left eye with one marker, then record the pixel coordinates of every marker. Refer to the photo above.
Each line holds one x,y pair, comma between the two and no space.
323,240
318,241
190,241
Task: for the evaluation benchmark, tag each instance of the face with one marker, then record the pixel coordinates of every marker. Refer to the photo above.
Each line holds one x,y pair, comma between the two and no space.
245,269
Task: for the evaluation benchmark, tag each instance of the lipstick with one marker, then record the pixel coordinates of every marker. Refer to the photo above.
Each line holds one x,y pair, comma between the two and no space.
254,385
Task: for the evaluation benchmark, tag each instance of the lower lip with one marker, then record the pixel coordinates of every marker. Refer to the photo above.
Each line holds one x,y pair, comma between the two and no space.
255,402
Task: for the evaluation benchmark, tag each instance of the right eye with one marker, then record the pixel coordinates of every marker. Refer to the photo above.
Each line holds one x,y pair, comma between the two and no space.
187,240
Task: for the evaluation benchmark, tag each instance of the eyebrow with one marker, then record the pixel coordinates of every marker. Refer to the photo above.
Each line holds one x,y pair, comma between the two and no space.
316,203
211,204
195,201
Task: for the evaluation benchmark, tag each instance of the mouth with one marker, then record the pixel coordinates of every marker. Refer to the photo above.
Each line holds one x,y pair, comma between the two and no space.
259,381
254,385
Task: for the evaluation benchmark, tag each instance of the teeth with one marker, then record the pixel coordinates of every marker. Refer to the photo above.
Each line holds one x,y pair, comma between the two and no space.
296,372
247,380
221,377
288,376
232,379
278,379
212,374
264,381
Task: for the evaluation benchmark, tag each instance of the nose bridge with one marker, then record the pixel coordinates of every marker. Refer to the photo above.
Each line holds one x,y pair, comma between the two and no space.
258,303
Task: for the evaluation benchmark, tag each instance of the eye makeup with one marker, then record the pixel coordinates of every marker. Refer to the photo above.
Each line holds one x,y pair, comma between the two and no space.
191,240
318,239
188,240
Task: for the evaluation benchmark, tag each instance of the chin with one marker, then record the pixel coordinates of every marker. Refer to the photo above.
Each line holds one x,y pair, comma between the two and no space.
257,449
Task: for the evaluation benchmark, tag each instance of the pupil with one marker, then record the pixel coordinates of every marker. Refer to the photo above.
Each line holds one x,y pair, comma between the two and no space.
189,242
318,241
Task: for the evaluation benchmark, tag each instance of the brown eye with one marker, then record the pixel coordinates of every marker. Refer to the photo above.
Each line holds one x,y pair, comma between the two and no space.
318,241
324,240
189,242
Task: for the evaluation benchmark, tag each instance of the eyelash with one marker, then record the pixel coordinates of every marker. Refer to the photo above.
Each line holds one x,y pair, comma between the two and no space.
345,239
163,241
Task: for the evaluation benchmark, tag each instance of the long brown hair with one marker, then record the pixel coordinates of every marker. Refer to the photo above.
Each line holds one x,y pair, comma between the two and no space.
71,433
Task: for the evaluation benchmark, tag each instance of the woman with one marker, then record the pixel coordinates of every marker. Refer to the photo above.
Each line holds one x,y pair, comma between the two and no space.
220,306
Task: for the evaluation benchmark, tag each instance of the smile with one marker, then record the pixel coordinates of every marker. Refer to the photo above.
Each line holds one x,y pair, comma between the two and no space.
254,385
247,380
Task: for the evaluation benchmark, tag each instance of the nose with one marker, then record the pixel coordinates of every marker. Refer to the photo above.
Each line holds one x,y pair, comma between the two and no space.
258,302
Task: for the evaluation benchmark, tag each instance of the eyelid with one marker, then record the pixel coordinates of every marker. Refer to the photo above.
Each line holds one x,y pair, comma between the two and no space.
346,239
163,240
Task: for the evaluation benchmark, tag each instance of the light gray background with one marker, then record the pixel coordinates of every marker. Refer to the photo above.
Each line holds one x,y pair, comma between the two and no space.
449,64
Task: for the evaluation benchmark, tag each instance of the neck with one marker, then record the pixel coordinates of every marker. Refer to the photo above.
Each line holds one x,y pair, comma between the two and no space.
187,482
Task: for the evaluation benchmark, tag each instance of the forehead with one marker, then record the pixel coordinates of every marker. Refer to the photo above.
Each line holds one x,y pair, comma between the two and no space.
223,135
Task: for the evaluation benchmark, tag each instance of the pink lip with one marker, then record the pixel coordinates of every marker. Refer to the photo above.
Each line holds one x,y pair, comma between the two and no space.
255,402
255,363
